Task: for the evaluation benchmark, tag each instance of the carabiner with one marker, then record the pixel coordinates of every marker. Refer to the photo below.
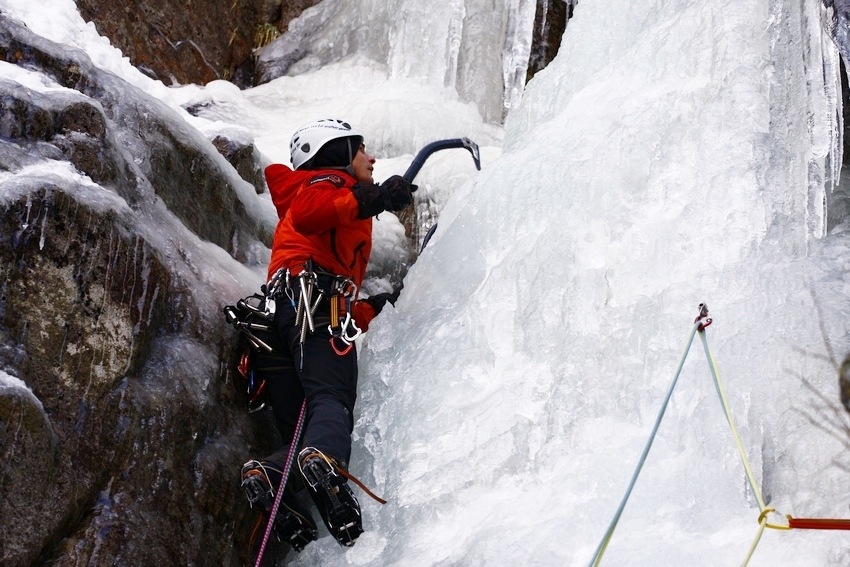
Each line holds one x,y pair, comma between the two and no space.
350,322
703,319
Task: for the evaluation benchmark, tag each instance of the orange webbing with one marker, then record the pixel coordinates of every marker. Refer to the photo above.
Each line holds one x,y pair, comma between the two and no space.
359,483
818,524
257,525
346,474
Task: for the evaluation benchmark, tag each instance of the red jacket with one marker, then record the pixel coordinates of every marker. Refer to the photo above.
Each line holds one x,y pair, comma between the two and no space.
318,221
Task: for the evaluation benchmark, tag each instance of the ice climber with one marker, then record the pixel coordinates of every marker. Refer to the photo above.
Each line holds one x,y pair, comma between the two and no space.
319,255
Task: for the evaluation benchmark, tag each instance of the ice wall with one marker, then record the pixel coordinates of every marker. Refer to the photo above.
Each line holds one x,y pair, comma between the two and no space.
478,48
674,153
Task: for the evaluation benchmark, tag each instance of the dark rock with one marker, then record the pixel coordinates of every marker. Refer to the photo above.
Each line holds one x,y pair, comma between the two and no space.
550,22
194,43
27,438
124,445
139,147
247,161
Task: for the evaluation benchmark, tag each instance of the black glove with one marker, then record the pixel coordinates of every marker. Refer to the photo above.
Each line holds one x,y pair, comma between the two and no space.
397,193
378,301
393,195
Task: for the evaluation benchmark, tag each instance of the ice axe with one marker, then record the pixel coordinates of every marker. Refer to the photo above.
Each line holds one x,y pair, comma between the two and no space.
426,152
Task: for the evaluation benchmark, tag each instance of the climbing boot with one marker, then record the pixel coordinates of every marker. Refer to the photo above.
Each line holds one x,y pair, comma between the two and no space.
333,498
292,524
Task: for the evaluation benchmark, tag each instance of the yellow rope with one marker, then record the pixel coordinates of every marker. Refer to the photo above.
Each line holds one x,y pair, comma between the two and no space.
699,327
755,543
722,393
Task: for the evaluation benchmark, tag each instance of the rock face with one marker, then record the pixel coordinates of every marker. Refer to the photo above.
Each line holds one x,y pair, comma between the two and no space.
192,43
550,22
121,424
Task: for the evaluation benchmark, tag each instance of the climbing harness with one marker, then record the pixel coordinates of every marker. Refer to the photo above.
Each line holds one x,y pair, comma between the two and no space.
700,323
305,292
309,289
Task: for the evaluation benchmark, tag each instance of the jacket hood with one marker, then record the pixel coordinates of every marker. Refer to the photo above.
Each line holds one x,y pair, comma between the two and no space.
284,183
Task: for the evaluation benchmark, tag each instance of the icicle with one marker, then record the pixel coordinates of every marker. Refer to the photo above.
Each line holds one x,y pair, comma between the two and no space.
41,238
454,40
517,51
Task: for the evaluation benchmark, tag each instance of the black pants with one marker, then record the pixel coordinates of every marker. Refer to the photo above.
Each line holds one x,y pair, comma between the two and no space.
327,380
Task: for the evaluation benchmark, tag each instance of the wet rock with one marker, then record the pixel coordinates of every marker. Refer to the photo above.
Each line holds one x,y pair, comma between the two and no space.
138,147
550,22
122,426
192,43
26,438
245,159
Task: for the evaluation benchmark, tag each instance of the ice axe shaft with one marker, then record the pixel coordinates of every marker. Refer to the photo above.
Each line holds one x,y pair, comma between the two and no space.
426,152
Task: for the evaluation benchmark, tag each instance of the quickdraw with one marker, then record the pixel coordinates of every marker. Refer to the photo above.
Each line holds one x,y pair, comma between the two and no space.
253,313
242,316
256,386
342,327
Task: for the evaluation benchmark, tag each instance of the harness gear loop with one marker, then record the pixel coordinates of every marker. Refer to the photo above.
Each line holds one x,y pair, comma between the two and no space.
335,328
342,327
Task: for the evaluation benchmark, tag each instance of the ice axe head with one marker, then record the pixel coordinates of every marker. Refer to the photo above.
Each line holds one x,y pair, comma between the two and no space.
473,149
426,152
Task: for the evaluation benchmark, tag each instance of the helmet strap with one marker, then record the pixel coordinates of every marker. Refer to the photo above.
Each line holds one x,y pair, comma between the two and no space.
350,167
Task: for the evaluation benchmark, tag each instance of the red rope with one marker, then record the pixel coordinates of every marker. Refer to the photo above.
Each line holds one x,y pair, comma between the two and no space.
818,524
283,478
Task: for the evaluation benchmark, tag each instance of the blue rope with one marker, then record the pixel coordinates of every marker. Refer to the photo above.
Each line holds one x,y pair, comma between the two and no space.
613,525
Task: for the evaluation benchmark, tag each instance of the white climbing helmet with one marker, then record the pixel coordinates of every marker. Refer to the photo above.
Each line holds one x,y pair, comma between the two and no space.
309,139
